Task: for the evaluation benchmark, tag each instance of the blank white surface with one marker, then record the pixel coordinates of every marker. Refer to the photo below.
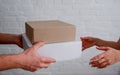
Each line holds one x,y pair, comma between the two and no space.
62,51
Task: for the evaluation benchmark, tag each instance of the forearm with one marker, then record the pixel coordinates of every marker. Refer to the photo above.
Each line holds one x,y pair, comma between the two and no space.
11,39
9,62
8,38
112,44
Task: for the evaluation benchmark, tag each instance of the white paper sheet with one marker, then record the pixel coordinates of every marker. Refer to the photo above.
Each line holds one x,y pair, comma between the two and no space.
62,51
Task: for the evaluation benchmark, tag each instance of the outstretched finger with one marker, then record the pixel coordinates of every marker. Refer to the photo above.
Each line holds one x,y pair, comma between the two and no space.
47,59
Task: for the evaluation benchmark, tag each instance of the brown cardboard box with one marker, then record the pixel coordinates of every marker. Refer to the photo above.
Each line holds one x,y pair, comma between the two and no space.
50,31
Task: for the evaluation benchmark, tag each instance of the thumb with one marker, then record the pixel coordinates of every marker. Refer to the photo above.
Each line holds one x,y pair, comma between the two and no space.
38,45
102,48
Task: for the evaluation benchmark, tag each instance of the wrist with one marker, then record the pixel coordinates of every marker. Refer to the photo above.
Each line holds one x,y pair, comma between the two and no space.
21,58
97,41
19,61
18,40
16,61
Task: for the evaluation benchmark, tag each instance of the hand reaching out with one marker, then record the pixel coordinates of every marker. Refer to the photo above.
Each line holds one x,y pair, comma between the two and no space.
31,60
87,42
109,57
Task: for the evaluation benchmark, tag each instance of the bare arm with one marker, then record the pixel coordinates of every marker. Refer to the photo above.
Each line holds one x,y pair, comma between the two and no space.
28,60
8,62
88,42
113,44
11,39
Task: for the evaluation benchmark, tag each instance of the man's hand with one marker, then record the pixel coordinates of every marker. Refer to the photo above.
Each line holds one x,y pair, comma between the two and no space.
30,59
87,42
109,57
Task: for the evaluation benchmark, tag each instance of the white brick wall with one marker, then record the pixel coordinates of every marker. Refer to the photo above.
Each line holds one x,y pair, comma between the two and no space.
99,18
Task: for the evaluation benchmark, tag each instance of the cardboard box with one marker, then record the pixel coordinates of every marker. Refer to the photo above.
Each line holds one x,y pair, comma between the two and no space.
51,31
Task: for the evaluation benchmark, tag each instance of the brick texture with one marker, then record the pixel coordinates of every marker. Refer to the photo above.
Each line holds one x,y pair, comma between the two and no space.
98,18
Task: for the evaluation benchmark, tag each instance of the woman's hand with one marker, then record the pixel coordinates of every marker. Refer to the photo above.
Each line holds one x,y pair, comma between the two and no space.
87,42
109,57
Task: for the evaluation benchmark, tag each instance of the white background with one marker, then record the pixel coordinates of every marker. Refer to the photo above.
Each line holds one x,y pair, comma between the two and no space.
98,18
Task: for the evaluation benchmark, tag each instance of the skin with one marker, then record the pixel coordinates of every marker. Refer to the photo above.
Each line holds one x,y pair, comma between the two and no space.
109,57
11,39
111,54
28,60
